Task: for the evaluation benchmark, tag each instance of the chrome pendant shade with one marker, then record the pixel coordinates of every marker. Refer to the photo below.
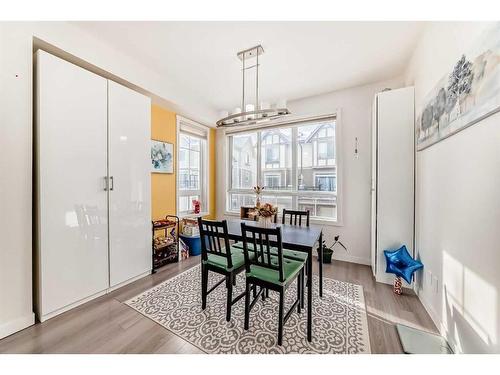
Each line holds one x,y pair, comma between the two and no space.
252,113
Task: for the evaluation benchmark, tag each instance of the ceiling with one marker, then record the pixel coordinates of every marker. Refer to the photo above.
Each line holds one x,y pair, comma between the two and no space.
301,59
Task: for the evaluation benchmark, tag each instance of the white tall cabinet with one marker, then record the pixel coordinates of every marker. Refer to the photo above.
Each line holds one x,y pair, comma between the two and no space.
129,135
92,185
392,191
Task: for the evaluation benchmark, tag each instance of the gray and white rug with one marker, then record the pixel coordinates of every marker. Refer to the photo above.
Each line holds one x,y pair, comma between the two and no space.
339,318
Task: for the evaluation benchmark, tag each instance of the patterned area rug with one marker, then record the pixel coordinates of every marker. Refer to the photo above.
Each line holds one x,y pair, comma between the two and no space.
339,318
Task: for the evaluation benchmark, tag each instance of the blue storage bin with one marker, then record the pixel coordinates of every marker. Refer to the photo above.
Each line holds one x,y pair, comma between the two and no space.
194,244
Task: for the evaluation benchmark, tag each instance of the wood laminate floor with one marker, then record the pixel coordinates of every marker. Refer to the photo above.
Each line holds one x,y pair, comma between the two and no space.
107,325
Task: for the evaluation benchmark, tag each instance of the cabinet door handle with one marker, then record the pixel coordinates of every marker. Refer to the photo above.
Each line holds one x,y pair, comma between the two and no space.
112,183
106,183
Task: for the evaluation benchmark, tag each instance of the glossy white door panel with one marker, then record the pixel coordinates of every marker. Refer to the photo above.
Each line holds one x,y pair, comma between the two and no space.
71,165
373,190
130,192
393,175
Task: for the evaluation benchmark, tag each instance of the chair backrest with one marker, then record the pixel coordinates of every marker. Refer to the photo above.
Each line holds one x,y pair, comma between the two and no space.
212,233
259,240
295,217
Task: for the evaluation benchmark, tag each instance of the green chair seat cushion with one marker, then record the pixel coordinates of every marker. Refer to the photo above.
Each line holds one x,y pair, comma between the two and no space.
220,261
290,269
239,245
289,254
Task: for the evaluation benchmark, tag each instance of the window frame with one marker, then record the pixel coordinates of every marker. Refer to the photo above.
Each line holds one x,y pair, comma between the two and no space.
203,192
294,192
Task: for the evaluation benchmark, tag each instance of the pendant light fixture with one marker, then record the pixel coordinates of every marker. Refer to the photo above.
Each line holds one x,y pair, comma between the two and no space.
252,112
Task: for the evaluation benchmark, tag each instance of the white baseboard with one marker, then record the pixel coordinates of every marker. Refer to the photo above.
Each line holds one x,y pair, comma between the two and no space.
16,325
430,310
436,319
351,259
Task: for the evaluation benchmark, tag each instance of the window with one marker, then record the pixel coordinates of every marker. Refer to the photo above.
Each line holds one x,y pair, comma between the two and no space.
272,181
272,154
325,150
189,162
297,165
238,200
316,157
325,182
320,206
192,167
244,161
276,166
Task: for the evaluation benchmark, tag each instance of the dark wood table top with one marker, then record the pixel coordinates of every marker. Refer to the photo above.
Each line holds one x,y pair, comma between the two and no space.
293,237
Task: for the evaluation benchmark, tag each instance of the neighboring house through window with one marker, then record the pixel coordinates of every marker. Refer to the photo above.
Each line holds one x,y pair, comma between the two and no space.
325,182
298,168
272,181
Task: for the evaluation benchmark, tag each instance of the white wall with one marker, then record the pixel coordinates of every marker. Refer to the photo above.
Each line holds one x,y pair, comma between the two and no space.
16,48
15,181
458,206
355,105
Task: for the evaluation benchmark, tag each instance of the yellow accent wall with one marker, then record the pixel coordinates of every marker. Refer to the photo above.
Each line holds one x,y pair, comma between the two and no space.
163,186
163,199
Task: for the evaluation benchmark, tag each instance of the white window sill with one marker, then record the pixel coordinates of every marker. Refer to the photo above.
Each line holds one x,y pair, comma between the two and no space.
324,222
192,215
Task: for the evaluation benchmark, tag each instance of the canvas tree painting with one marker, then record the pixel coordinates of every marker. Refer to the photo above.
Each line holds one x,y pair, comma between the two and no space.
162,157
464,96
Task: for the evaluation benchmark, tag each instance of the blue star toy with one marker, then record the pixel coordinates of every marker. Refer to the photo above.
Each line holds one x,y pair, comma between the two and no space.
400,263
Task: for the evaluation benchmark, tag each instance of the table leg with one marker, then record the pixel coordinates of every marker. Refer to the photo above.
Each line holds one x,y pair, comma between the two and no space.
309,296
320,254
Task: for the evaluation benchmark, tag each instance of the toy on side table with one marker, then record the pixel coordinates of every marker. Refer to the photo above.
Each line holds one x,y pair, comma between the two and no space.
400,263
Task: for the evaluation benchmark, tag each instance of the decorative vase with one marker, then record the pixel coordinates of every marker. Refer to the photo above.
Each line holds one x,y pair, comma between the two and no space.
265,221
257,201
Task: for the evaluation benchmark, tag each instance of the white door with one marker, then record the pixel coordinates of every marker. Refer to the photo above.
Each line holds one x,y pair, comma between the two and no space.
395,183
130,192
71,168
374,189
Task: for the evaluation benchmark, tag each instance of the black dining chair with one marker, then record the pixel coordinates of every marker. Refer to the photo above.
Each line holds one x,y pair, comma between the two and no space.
269,271
295,217
220,258
300,218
